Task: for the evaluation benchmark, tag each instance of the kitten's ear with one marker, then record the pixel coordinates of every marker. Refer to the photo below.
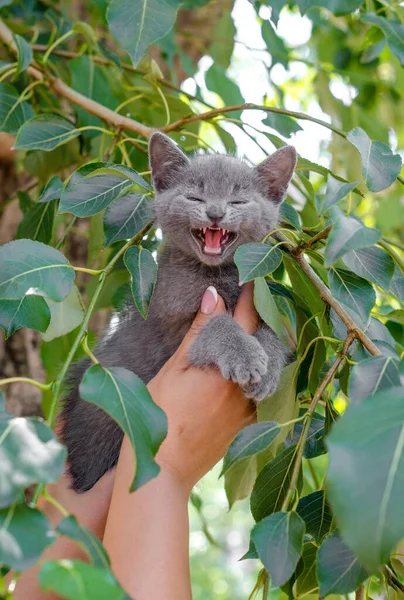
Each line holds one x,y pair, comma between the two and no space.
166,161
275,173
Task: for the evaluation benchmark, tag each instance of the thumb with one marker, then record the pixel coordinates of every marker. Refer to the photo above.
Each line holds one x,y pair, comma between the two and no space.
211,304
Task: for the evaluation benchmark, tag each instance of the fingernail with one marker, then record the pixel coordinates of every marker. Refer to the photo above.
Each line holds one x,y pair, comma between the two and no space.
209,301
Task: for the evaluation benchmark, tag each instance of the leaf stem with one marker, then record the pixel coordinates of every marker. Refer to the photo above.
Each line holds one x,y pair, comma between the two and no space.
321,235
167,108
56,43
392,579
394,255
87,350
66,233
55,503
89,271
308,417
42,386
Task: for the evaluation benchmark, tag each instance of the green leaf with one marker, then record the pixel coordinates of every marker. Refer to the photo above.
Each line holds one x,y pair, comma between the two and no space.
338,7
352,291
307,581
380,167
249,441
76,580
275,45
256,260
45,132
223,35
24,534
126,399
143,273
348,234
372,264
52,190
65,315
316,513
282,123
218,82
369,438
126,217
239,481
289,214
71,528
13,113
279,543
27,265
338,569
272,483
37,223
94,186
29,311
315,439
303,287
24,54
137,26
393,30
282,406
267,309
30,453
373,375
336,191
397,284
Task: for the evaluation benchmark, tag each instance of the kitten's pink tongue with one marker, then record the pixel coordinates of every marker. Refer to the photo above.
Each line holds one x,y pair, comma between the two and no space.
212,240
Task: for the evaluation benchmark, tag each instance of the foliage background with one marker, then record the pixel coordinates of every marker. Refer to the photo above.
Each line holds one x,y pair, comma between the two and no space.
338,62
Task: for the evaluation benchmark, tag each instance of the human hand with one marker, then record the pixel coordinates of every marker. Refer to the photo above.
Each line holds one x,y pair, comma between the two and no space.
204,410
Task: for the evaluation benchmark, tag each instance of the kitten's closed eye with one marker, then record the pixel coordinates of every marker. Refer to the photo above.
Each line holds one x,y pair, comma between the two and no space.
195,199
239,202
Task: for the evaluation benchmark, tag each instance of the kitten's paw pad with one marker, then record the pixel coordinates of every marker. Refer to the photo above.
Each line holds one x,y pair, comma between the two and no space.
263,388
247,365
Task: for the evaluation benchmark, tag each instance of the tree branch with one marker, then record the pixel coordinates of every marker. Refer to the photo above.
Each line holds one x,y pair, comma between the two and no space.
309,415
327,297
322,235
61,89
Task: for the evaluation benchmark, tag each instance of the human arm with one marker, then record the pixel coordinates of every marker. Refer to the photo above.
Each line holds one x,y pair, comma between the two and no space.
147,532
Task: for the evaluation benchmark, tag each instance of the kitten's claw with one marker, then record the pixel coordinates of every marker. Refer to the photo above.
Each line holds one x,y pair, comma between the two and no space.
246,365
266,386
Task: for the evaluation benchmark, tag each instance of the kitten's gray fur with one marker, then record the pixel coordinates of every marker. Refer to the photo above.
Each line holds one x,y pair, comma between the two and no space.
231,195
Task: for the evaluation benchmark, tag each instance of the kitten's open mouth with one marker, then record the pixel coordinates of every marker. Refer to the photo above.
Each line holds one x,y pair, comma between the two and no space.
214,241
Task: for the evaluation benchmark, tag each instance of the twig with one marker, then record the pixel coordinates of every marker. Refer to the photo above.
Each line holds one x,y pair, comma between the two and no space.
322,235
392,579
60,88
327,297
309,415
359,594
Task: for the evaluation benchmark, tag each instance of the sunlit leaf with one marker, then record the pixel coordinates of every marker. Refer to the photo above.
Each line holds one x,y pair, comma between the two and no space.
76,580
218,82
256,260
372,264
45,132
126,217
223,36
370,438
71,528
275,45
348,234
143,272
380,167
137,26
27,265
126,399
352,291
239,481
393,30
338,569
24,534
29,311
249,441
13,113
279,543
267,309
373,375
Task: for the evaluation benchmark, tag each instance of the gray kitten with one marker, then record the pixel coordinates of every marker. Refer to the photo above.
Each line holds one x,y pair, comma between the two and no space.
206,206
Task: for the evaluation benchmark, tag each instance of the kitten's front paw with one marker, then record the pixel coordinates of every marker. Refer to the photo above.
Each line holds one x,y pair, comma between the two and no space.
245,364
264,387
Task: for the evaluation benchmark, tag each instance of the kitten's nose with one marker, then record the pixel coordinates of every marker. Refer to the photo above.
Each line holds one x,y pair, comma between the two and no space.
215,212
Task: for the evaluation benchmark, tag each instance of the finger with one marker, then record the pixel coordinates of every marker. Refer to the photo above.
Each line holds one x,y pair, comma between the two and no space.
245,313
211,304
